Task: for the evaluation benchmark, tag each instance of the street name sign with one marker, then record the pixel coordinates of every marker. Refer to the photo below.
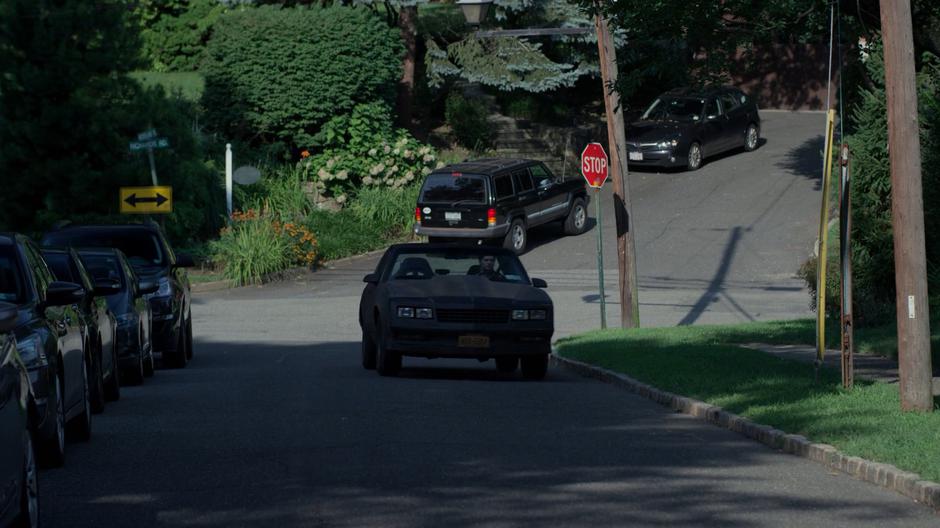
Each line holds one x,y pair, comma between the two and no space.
149,144
147,200
594,165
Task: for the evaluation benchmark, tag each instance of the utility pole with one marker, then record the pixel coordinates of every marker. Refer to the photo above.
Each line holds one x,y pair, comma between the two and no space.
907,208
616,137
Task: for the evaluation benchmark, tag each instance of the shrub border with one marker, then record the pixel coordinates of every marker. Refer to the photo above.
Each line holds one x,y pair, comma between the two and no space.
909,484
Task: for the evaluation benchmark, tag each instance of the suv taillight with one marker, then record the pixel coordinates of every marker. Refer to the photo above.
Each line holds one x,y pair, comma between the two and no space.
491,217
417,215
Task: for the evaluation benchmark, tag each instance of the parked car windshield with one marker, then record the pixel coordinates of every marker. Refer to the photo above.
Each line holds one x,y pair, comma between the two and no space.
455,187
11,285
423,265
141,248
674,109
104,267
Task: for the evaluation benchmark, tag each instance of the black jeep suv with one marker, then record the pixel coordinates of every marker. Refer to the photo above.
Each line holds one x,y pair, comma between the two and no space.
152,259
497,199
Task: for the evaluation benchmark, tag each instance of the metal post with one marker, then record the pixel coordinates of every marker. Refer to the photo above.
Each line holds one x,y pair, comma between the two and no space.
153,166
845,246
907,209
600,256
228,179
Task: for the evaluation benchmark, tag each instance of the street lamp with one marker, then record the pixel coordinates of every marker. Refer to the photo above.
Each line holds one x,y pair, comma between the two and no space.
474,11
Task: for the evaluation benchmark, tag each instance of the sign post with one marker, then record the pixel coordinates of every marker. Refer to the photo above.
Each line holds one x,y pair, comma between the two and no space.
148,141
594,168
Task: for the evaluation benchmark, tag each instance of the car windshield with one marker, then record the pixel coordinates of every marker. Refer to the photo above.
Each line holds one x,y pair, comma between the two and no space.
11,285
142,248
423,265
104,268
674,109
453,187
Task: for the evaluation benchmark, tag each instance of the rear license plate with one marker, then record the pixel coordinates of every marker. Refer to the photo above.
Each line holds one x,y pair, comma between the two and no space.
473,341
452,216
636,156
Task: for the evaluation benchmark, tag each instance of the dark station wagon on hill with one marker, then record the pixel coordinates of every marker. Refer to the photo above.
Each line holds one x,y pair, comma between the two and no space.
497,200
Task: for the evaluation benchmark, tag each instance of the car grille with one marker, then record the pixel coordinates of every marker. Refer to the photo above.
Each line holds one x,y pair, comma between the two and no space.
472,316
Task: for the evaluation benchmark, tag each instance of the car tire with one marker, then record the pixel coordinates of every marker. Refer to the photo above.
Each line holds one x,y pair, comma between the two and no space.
516,237
79,428
507,364
189,338
368,351
52,448
135,375
694,158
576,222
97,384
177,358
149,365
751,138
534,367
29,492
112,388
388,362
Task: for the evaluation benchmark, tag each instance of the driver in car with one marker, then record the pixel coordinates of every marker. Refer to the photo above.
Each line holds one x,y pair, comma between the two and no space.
488,268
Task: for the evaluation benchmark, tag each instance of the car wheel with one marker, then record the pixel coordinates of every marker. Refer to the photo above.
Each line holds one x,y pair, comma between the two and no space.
97,384
52,447
29,492
80,426
368,351
189,338
751,137
577,218
534,367
177,358
112,388
694,157
507,364
135,375
516,237
388,362
149,365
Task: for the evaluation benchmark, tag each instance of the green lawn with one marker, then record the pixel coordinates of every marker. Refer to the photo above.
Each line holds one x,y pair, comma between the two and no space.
700,362
189,84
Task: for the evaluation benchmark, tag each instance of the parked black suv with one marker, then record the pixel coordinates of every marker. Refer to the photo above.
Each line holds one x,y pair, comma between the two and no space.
154,261
497,199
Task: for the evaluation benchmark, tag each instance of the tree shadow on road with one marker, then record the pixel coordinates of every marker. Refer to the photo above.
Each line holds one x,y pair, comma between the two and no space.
806,160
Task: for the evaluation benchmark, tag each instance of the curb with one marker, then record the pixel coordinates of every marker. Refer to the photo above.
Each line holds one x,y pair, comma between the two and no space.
909,484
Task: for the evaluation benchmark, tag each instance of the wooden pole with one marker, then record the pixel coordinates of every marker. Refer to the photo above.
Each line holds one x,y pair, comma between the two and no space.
907,207
616,137
845,247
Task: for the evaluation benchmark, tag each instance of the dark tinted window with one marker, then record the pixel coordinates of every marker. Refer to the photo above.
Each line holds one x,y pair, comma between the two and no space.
425,265
450,188
40,271
674,108
59,263
104,267
523,180
503,186
141,247
11,282
540,174
712,108
729,101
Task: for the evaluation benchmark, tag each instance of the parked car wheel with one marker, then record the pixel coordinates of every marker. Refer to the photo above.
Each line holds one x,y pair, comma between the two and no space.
135,375
576,222
97,384
176,358
29,495
189,338
112,388
515,237
368,351
388,363
52,447
534,367
80,426
695,156
149,365
751,137
507,364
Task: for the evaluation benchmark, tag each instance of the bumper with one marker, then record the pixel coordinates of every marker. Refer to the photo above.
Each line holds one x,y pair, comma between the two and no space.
657,158
467,233
445,342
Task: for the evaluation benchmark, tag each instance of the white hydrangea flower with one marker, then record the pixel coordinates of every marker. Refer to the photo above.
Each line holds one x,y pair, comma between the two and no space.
387,149
410,175
408,154
330,162
397,151
342,175
341,199
373,151
323,174
439,164
425,171
377,169
427,158
367,180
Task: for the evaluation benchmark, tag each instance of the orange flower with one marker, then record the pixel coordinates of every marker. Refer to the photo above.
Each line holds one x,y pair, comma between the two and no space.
305,153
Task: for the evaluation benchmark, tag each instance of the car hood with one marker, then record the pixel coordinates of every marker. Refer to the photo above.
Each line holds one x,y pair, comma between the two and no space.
468,291
654,131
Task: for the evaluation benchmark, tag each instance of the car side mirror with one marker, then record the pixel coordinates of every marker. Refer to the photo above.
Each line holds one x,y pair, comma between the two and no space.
8,317
372,278
184,261
106,287
147,287
539,283
61,293
546,183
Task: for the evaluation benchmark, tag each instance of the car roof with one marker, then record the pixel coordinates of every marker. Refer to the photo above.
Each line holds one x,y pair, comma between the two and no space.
486,165
6,239
105,227
701,91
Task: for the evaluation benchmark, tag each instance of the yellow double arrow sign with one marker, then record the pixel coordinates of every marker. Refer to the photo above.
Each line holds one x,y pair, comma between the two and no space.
146,200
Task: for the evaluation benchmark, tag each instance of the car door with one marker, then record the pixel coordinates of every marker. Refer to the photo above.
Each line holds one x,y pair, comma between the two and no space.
12,427
553,199
527,198
504,196
715,129
141,305
737,119
101,315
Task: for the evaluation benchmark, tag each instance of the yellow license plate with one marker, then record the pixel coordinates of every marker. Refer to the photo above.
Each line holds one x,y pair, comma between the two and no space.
473,341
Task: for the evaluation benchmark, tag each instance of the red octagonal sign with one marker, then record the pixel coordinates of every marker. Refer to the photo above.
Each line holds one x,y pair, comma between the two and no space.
594,164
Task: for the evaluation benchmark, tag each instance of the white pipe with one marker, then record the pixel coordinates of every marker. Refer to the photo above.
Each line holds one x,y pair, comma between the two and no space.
228,178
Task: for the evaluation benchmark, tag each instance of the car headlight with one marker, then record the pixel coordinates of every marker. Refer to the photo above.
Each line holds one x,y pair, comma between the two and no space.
411,312
406,311
529,315
538,315
30,350
164,289
424,313
668,144
520,315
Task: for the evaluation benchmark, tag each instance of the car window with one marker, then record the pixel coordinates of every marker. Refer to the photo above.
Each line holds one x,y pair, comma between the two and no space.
674,109
453,187
59,263
131,276
712,109
41,272
84,278
503,186
425,265
729,102
142,247
12,289
540,174
104,268
522,180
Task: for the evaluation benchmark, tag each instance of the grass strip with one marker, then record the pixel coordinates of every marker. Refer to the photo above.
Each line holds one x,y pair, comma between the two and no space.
699,362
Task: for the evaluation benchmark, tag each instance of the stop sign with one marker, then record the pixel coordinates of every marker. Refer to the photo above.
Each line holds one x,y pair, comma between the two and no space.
594,164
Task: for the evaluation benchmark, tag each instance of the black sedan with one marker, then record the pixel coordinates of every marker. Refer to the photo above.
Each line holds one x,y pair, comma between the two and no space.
684,126
99,323
116,281
441,300
19,493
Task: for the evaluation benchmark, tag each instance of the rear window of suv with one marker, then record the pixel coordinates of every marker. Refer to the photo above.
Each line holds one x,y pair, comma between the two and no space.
443,187
142,247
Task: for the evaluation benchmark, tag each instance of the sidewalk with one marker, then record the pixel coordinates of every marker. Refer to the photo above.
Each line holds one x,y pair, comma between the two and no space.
876,368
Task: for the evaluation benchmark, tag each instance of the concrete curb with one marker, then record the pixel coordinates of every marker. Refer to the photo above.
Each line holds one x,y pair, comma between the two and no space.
910,485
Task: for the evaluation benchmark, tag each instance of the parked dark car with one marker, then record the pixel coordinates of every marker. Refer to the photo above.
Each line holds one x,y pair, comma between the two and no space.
49,339
19,478
153,261
116,282
99,324
682,127
497,200
458,301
